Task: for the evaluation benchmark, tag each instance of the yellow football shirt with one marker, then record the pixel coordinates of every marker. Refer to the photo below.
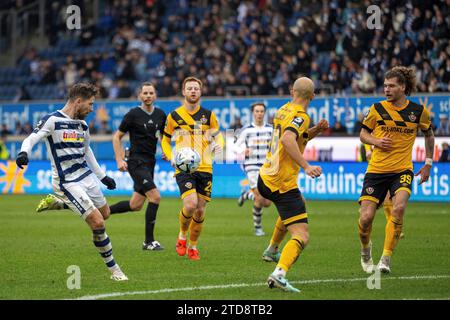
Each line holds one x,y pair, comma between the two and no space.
195,129
401,125
280,171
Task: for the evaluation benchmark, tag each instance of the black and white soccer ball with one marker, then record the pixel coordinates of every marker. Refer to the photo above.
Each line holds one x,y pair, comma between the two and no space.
187,160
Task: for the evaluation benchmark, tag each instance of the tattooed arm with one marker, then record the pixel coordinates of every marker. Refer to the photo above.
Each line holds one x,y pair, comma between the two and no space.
424,172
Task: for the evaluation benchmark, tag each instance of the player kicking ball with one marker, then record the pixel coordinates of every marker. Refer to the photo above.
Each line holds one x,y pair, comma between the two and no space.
145,125
73,167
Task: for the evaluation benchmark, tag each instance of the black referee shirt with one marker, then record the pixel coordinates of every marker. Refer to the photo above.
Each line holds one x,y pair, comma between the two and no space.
143,128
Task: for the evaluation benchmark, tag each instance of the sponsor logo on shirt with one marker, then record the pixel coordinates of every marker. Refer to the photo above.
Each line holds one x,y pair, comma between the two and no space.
398,130
73,136
298,121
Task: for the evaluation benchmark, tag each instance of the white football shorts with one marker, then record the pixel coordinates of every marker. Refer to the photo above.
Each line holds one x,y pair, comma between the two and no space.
252,177
81,197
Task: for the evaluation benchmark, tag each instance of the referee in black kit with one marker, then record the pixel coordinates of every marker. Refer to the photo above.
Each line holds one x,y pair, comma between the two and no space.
145,124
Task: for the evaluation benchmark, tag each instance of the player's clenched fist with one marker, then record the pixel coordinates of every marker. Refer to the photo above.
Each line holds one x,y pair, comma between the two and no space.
122,165
22,159
109,183
313,171
322,125
385,143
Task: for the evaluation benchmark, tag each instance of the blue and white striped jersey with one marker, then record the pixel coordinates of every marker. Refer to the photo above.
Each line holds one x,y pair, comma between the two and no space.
68,147
257,139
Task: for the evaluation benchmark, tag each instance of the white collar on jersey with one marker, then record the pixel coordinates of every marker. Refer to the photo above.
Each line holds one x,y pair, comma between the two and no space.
261,126
64,114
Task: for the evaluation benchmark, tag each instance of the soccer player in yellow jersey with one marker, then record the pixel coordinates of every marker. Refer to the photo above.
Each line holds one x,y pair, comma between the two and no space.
279,175
197,128
366,153
391,127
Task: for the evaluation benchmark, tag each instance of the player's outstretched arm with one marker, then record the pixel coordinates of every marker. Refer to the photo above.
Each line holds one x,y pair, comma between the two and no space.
424,172
93,164
320,127
289,142
95,167
429,143
22,159
41,131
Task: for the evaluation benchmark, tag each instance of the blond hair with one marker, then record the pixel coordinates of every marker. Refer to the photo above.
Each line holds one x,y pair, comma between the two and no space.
405,76
192,79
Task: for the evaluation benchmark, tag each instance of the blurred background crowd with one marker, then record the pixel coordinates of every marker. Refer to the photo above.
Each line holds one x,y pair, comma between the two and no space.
237,48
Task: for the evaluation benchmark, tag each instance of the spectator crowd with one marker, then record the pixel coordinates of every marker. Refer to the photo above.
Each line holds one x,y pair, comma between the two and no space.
239,48
246,47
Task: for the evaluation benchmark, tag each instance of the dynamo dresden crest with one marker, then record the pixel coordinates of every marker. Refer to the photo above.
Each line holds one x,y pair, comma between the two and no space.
370,190
412,117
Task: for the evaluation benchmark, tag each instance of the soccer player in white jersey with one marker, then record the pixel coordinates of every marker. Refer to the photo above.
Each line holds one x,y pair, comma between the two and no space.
253,143
74,165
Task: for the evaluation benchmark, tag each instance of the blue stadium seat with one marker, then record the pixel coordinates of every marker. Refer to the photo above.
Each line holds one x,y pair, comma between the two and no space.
178,35
153,59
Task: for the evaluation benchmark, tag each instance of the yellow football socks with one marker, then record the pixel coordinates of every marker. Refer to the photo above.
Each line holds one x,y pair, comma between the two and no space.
194,231
278,234
393,230
387,207
290,253
184,223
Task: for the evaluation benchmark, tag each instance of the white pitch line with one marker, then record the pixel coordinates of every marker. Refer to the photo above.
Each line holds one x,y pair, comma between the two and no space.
242,285
448,298
355,213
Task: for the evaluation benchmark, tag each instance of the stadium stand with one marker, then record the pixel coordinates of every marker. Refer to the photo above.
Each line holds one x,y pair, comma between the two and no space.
257,46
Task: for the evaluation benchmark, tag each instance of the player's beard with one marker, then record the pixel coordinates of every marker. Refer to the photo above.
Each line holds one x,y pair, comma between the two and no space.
80,115
192,101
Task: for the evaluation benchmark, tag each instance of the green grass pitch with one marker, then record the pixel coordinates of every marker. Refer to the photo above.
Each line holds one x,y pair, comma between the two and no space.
36,250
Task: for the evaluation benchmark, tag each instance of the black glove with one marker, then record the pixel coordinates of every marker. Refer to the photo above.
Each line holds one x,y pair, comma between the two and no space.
22,159
109,183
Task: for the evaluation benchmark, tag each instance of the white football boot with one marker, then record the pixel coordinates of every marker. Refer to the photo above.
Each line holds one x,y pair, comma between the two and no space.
366,259
385,264
118,275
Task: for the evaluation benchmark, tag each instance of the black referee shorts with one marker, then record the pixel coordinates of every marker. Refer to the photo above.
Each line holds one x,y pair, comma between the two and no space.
141,171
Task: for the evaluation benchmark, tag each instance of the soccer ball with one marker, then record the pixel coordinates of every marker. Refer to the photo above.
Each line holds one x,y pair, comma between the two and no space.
187,160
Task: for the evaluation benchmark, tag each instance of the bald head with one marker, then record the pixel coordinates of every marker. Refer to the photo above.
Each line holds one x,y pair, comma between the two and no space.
303,88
